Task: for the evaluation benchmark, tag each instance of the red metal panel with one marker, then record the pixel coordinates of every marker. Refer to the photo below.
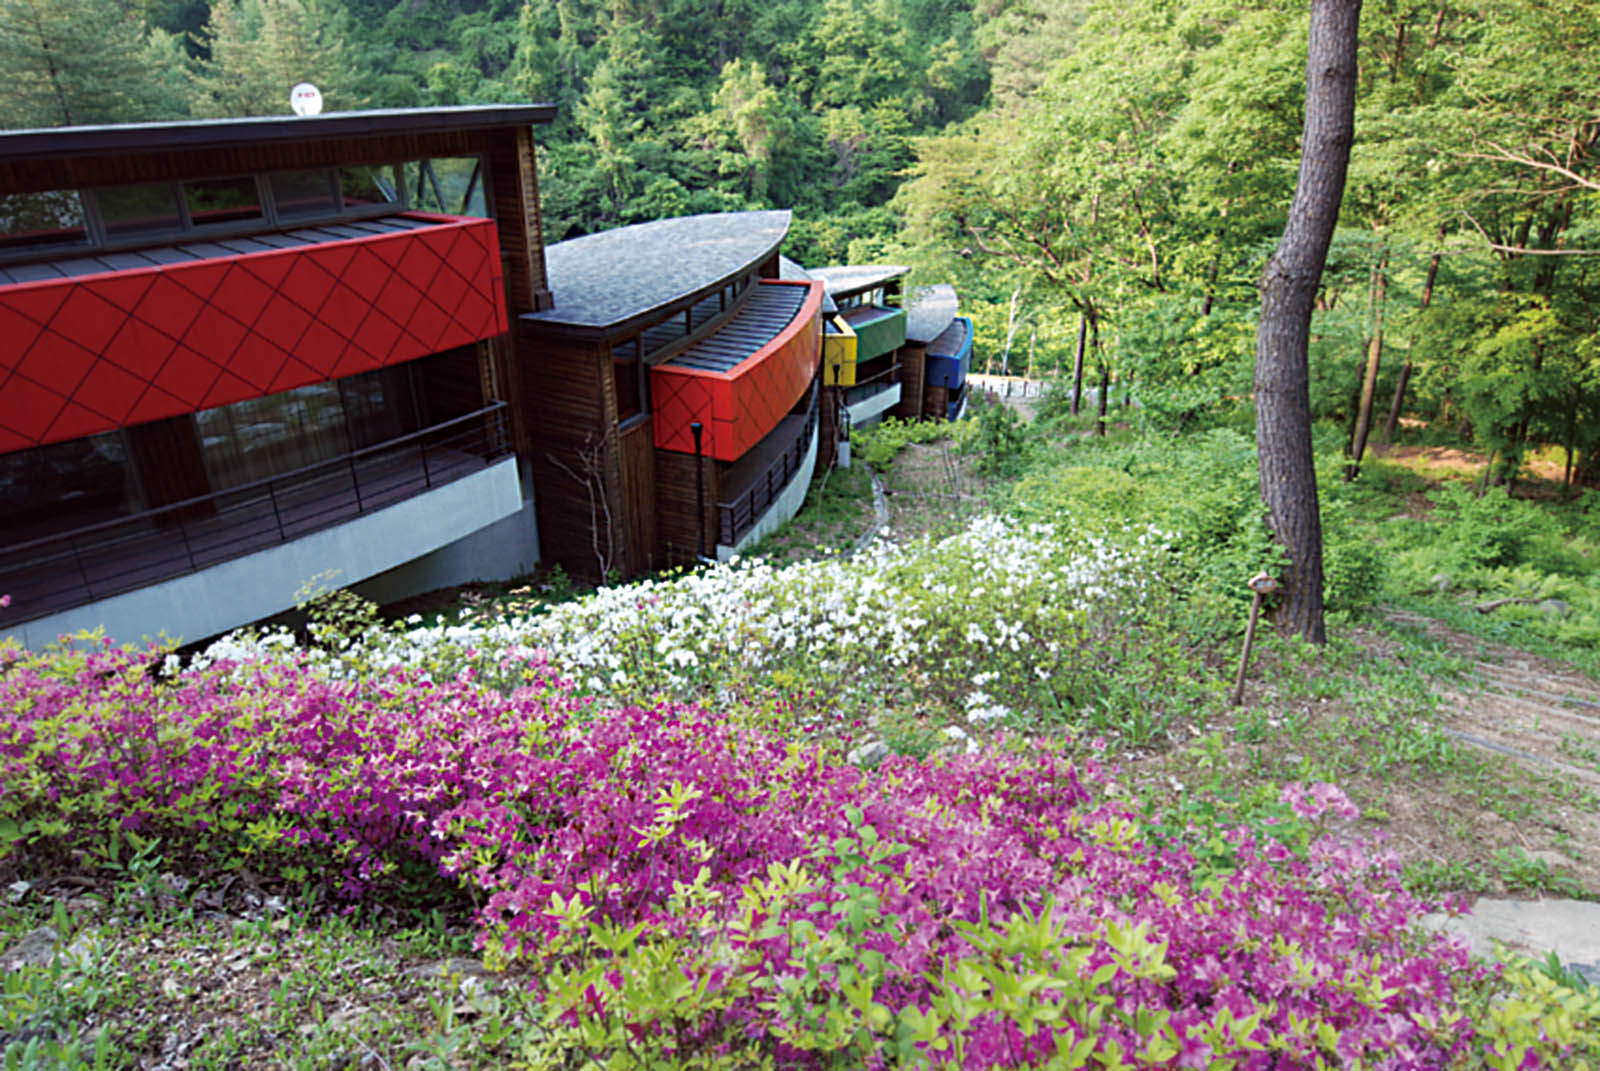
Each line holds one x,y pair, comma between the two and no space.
97,352
740,407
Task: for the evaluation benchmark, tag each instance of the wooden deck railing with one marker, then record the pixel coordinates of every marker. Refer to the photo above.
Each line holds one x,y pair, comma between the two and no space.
57,572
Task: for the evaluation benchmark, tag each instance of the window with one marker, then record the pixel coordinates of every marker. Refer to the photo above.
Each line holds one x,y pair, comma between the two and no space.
62,486
300,194
215,201
262,437
361,186
37,225
632,379
451,186
49,220
131,211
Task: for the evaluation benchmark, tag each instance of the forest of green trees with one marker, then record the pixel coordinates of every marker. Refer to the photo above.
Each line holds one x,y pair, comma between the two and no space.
1095,174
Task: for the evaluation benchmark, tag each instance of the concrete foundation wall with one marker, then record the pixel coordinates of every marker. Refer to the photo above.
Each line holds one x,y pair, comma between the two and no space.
507,548
869,411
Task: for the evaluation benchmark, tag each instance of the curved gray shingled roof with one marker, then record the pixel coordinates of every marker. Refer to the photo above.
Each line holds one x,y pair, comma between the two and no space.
842,280
929,311
606,279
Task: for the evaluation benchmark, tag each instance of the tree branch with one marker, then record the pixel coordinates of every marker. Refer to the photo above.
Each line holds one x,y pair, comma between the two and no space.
1506,156
1521,250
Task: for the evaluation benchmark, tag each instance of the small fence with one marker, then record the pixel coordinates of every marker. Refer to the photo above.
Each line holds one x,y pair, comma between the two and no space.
58,572
1008,386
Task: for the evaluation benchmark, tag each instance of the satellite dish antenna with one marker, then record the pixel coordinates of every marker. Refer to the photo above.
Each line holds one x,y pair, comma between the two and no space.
306,99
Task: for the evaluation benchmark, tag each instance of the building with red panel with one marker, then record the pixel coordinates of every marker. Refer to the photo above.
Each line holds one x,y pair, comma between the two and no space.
676,377
240,354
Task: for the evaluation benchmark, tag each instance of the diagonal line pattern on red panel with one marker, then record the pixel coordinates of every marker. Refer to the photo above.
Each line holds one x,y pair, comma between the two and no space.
96,352
741,406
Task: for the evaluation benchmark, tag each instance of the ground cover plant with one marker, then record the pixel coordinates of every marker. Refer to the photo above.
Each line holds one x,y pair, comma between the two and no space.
672,887
1520,570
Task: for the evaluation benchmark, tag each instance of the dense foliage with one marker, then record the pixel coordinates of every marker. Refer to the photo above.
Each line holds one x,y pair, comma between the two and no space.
1084,169
1134,192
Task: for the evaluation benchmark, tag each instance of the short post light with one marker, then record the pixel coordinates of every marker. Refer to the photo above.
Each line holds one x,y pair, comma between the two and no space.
1262,585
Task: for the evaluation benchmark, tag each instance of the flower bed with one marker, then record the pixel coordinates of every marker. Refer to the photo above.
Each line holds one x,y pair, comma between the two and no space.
679,888
1027,624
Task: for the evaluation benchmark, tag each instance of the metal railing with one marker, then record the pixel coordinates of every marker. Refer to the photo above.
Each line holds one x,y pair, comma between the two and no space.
58,572
873,385
737,517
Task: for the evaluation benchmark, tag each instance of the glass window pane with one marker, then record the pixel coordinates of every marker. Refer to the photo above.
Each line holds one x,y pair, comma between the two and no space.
298,194
222,201
127,211
460,181
56,488
424,191
261,437
41,220
366,186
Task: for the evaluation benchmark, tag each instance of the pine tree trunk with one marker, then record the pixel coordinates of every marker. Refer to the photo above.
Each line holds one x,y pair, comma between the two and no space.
1570,441
1288,293
1393,422
1100,402
1369,382
1077,363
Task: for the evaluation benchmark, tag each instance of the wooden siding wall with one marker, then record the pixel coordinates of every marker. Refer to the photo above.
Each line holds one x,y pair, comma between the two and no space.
913,365
513,186
566,403
639,497
828,421
936,403
675,506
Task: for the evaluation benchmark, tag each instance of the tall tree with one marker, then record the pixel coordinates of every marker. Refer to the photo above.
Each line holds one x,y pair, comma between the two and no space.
261,48
71,62
1288,295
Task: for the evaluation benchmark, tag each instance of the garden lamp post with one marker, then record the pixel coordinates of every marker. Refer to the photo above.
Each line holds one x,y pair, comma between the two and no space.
1262,585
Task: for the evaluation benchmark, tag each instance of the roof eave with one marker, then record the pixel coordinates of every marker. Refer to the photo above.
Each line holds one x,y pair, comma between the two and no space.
16,145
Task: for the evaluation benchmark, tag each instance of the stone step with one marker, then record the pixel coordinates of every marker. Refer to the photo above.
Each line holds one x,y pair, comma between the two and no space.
1534,928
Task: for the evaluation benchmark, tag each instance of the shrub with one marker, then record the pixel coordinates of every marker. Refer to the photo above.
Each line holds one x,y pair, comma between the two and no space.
881,444
1001,442
1201,488
680,890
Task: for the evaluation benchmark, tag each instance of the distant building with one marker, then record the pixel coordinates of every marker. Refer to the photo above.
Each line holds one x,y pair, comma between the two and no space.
656,328
240,355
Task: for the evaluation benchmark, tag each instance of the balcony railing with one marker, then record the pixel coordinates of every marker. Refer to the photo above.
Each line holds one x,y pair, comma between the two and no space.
873,384
737,517
59,572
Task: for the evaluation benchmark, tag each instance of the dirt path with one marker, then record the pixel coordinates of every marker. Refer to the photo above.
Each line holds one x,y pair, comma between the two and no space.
1532,713
1541,714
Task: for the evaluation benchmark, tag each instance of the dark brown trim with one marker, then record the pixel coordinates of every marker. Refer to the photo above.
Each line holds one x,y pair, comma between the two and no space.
18,145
